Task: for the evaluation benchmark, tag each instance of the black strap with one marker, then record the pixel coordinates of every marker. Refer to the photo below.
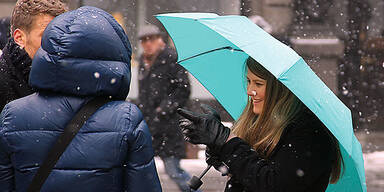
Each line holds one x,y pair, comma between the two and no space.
63,141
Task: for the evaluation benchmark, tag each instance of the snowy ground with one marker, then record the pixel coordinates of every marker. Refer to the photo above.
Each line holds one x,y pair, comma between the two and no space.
372,143
374,171
212,181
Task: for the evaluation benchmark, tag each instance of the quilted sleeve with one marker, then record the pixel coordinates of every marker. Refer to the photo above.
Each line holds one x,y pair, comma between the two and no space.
140,172
6,170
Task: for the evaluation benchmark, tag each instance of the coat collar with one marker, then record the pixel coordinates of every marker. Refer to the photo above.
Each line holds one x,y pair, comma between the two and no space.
18,58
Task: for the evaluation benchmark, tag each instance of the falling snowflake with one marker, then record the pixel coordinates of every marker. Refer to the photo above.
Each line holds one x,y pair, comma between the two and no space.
97,75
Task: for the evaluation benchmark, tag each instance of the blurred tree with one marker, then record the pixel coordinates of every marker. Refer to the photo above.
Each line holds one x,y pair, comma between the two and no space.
359,13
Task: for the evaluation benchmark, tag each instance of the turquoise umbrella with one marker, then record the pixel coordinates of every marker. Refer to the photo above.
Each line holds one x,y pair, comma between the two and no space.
214,49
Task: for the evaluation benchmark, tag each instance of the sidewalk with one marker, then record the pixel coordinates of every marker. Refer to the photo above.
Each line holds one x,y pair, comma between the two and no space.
374,171
372,143
212,181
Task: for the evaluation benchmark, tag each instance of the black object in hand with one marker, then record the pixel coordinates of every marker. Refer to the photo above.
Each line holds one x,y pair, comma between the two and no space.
196,182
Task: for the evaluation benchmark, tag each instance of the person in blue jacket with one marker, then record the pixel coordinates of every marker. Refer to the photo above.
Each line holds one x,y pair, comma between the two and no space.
84,53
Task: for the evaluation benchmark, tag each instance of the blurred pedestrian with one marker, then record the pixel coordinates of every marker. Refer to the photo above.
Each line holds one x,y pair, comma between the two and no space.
277,144
163,87
85,53
29,19
5,31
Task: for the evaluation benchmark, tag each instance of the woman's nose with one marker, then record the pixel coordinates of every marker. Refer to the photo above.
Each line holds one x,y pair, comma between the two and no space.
251,92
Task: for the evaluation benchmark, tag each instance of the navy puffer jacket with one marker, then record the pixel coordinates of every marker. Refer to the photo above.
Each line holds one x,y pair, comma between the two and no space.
84,53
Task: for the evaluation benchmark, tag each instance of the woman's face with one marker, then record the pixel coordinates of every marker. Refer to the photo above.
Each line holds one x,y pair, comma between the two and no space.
256,91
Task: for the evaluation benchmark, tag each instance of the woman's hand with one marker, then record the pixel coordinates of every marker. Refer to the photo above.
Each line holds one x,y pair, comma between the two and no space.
203,128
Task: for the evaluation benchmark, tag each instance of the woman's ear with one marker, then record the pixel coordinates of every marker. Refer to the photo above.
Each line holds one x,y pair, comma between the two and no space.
20,37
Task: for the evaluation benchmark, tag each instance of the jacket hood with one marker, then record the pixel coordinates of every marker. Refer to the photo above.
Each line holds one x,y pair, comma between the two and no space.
84,52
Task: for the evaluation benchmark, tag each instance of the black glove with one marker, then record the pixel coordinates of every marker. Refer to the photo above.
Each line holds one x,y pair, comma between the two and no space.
203,128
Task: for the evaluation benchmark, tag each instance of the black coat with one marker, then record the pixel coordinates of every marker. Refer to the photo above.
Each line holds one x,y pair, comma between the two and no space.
15,66
301,161
164,86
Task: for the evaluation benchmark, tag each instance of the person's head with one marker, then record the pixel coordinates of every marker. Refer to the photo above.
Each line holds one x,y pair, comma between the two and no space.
271,107
84,52
29,19
151,39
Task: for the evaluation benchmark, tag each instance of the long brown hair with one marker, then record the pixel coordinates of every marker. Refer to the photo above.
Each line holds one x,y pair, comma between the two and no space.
264,131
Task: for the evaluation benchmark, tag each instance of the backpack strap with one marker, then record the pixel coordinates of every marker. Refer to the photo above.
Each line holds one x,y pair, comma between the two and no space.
64,140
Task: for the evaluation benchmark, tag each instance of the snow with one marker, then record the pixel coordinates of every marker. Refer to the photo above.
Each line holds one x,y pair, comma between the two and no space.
374,161
374,171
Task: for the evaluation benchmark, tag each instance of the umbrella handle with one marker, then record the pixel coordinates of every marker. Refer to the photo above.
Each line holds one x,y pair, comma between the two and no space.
196,182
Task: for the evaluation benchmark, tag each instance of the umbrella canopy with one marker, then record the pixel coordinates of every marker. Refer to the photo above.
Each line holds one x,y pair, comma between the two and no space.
214,49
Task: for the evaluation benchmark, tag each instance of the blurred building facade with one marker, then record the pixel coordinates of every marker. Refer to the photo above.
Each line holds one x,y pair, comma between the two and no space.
342,41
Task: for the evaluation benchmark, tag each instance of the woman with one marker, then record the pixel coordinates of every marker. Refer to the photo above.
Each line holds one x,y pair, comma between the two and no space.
277,144
84,53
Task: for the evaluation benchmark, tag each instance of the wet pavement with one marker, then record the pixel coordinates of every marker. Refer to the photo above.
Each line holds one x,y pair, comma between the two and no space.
372,144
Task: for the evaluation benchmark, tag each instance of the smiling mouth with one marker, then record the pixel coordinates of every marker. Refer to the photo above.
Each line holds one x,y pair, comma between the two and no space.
256,101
